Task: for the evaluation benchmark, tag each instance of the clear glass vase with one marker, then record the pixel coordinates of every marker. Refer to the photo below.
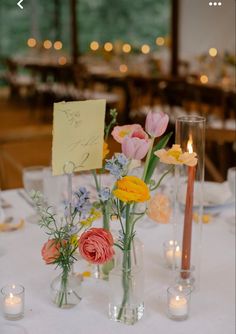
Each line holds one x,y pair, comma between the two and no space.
102,271
66,289
126,285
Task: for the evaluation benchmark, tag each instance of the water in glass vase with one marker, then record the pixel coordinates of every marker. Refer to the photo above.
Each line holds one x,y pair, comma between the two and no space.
66,290
126,282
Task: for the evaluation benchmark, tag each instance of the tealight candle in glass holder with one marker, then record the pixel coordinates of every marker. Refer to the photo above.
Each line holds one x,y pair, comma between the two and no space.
13,301
172,253
178,302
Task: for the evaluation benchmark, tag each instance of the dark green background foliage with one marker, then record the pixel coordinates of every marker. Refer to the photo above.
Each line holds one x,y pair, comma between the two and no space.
136,22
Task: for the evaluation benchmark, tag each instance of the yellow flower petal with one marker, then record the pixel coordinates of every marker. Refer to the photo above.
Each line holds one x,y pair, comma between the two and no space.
131,189
174,156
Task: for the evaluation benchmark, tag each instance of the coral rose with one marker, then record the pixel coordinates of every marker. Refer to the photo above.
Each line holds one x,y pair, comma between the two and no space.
96,245
131,189
51,251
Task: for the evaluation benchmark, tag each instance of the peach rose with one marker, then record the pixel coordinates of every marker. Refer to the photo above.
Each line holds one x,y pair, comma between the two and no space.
159,209
96,245
51,251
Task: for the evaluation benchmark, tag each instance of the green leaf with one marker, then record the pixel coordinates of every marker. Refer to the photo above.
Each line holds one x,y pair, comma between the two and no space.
154,159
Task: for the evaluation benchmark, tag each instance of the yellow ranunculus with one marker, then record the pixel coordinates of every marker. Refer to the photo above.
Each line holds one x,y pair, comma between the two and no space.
131,189
175,156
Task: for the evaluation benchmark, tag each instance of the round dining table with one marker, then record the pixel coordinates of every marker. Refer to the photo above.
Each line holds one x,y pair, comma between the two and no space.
212,304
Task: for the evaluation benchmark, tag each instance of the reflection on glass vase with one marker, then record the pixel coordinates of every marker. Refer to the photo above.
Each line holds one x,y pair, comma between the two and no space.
126,285
66,289
102,271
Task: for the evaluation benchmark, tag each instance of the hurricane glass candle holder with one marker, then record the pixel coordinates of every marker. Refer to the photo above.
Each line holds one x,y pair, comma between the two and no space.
189,182
172,254
178,302
13,301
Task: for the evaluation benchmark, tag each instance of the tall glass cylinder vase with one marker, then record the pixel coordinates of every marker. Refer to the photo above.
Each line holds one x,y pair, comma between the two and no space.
187,227
126,285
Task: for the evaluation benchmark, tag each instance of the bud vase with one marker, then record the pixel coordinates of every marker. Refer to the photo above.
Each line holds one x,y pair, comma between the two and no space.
66,289
126,285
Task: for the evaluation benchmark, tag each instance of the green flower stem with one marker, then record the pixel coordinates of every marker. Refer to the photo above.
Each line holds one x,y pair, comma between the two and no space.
105,218
96,180
62,298
105,212
126,265
148,158
162,177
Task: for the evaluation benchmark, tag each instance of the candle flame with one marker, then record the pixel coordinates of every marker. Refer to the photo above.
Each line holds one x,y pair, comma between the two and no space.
190,144
177,249
177,298
11,295
171,242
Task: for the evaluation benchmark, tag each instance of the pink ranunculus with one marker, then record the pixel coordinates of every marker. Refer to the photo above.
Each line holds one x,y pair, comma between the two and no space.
51,251
96,245
120,132
156,123
135,148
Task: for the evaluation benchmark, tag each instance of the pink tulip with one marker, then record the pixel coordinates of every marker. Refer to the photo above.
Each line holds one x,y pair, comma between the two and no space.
156,123
135,148
96,245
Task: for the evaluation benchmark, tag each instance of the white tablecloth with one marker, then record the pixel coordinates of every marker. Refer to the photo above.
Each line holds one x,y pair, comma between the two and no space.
212,307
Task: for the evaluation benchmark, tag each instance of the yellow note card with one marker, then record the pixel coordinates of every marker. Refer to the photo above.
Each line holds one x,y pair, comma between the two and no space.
78,132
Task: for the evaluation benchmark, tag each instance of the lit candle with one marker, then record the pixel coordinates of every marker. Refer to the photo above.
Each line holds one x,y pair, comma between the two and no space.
13,305
188,217
172,253
178,306
178,302
13,301
172,256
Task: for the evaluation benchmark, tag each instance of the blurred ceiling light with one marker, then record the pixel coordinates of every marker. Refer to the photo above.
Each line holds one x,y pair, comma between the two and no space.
58,45
108,46
204,79
145,48
126,48
62,60
47,44
31,42
160,41
123,68
212,52
94,45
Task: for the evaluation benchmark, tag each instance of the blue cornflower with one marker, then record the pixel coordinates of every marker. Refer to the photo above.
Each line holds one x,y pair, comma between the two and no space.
121,159
81,201
117,166
104,194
